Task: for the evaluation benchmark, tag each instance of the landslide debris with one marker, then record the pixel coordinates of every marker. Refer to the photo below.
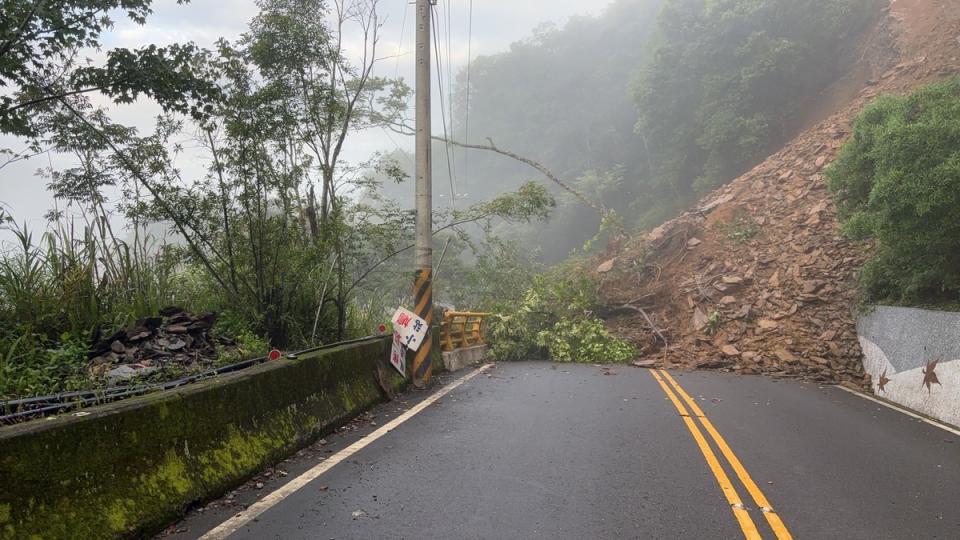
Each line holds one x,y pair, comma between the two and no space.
757,278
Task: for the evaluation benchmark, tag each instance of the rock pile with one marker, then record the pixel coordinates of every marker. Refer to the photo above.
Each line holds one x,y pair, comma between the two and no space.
758,277
174,337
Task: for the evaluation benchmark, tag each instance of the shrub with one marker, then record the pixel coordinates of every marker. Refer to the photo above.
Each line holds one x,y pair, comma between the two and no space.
247,343
897,181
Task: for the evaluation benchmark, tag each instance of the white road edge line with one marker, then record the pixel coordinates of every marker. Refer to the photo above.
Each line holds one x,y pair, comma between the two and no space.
944,427
231,525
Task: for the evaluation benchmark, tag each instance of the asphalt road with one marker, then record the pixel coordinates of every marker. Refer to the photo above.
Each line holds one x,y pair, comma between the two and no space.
540,450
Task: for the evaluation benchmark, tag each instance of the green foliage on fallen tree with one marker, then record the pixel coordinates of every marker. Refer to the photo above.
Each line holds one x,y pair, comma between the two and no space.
897,181
584,340
554,319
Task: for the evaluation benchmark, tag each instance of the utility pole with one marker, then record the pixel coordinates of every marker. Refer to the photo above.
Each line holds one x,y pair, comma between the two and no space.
423,277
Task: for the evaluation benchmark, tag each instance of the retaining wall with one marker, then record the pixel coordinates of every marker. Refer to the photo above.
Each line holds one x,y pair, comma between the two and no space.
129,468
900,346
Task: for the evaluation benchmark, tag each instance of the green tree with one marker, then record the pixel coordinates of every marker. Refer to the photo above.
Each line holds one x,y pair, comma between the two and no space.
897,181
300,54
729,77
40,44
554,318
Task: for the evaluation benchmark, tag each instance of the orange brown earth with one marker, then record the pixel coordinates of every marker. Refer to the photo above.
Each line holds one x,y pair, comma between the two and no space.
758,278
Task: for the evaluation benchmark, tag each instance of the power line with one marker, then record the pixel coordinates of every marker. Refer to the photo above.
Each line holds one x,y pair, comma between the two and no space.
450,60
449,33
403,27
443,117
466,124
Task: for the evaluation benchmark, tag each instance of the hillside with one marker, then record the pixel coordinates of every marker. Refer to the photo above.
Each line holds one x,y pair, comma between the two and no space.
756,278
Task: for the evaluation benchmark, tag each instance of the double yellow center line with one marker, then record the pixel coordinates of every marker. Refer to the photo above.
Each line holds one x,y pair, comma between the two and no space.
671,388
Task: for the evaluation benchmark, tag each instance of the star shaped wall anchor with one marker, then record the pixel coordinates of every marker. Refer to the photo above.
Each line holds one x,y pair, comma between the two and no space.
929,375
883,380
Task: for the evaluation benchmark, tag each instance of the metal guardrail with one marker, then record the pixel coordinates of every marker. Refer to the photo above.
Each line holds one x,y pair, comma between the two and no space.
461,329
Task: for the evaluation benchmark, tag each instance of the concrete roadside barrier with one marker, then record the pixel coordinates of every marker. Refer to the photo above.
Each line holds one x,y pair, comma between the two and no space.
913,358
128,468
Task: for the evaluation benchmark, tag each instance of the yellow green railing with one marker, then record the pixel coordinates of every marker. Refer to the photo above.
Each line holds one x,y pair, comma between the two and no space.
461,329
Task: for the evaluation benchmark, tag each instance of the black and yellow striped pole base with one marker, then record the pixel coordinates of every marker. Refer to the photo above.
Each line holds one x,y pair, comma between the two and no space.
423,300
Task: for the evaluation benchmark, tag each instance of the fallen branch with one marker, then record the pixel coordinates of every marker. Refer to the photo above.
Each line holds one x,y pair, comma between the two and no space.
641,311
701,285
404,129
639,298
666,344
545,171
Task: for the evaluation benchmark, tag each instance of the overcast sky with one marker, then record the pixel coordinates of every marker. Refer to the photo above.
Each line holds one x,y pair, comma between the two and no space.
496,24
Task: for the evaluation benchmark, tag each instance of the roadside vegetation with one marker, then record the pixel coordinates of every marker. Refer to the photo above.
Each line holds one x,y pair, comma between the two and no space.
897,183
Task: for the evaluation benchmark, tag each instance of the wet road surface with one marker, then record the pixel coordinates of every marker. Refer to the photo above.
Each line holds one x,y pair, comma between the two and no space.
541,450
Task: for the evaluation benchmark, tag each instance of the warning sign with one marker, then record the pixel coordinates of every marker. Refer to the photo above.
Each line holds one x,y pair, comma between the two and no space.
412,329
398,354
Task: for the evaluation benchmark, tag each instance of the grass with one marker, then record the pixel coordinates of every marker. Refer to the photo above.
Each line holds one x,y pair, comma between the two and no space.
58,289
740,229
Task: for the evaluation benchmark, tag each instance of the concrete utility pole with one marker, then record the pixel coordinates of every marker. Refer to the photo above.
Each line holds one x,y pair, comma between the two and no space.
423,279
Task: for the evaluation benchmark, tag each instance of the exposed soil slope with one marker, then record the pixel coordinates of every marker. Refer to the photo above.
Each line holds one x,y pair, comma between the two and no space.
757,278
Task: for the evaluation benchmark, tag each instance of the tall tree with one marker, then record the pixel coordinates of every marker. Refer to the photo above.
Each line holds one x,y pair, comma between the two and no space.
302,54
298,45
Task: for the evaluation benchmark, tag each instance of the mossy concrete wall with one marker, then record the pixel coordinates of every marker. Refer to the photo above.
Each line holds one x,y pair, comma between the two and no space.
129,468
